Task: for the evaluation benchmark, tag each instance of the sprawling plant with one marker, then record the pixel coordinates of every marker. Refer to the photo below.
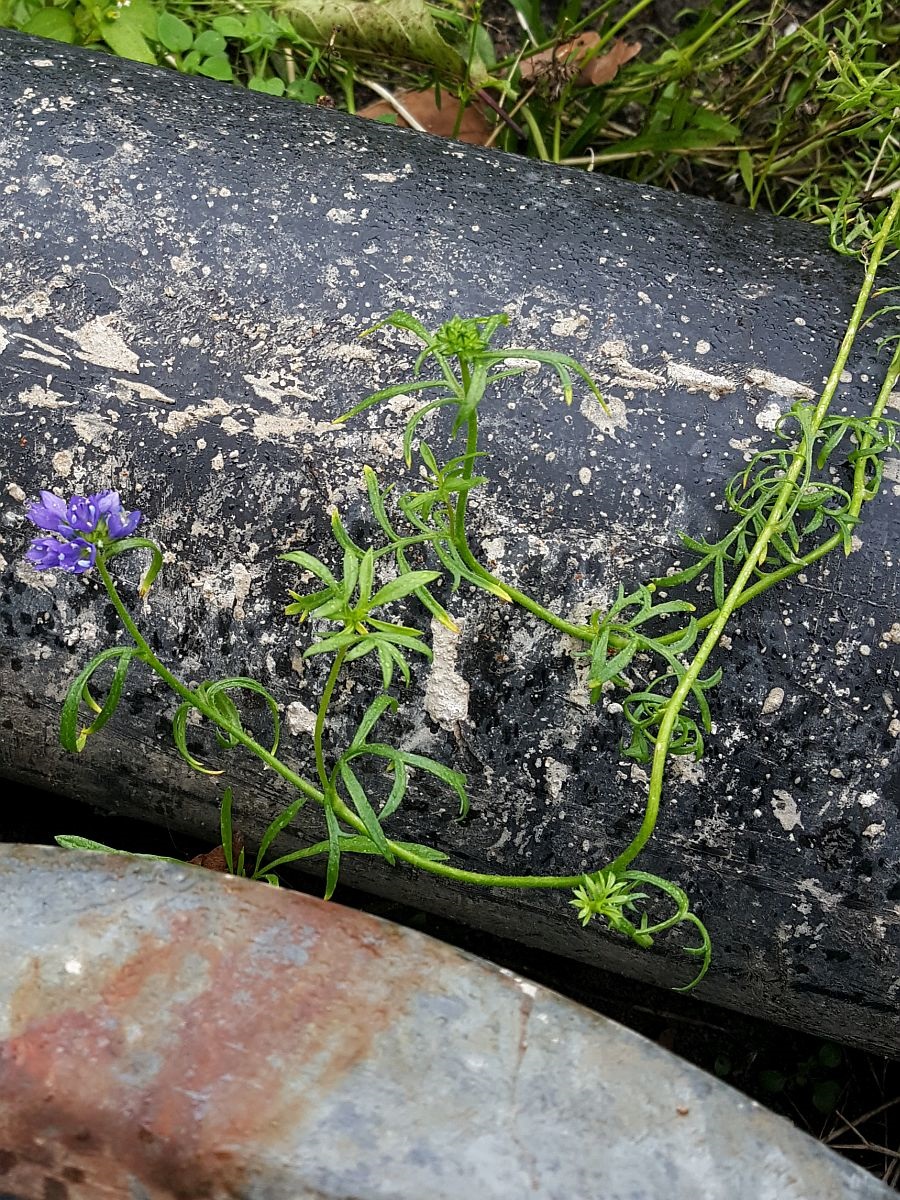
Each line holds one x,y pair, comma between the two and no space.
786,511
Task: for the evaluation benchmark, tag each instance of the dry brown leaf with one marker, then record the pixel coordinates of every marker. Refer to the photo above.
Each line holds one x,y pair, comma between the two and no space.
474,127
568,57
215,860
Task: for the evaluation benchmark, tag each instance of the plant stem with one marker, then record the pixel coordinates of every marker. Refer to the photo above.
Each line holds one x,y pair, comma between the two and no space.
324,702
181,689
536,136
583,632
342,812
756,554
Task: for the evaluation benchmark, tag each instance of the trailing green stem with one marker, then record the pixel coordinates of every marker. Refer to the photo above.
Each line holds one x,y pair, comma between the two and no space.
756,554
341,810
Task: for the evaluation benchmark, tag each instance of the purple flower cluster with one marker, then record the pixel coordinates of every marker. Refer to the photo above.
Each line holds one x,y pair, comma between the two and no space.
79,525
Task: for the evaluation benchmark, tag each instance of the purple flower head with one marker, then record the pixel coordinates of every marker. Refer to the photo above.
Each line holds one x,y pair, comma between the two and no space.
98,518
122,524
106,502
50,554
50,514
82,514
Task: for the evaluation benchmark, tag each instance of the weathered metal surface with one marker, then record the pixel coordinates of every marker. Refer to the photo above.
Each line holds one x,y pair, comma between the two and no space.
167,1034
185,271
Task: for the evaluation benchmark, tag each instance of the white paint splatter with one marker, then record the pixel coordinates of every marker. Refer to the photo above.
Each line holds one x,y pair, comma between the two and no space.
99,343
556,775
768,417
300,719
242,581
446,692
341,216
786,812
40,397
780,384
812,887
773,701
575,326
692,379
127,389
62,463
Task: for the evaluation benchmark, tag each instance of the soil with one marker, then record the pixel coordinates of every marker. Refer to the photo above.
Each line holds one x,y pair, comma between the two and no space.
829,1091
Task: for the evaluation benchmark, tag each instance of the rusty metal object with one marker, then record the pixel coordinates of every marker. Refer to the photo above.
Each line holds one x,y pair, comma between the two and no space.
172,1034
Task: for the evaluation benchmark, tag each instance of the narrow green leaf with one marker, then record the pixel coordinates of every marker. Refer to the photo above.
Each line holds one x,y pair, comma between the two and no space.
301,559
303,605
228,711
342,537
334,849
241,683
529,13
376,501
413,423
179,736
398,790
403,586
361,649
71,841
389,658
406,641
455,779
138,543
614,666
397,389
366,572
399,319
719,581
335,642
426,852
70,737
391,627
370,718
361,803
226,831
274,829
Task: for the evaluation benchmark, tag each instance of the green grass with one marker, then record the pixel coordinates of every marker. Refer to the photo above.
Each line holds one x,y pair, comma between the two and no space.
742,104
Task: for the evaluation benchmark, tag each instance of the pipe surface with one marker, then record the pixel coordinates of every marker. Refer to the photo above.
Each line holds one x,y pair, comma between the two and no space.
167,1032
185,272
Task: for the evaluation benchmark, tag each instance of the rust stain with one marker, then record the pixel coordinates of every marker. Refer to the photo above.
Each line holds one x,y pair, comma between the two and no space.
198,1054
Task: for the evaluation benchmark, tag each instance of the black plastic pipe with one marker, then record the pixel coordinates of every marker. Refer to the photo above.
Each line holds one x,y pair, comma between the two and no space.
185,271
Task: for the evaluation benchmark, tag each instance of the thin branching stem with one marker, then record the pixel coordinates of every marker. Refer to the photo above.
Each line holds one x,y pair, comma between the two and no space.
755,555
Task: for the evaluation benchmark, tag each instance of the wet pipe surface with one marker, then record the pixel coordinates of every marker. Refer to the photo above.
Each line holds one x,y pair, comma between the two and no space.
185,273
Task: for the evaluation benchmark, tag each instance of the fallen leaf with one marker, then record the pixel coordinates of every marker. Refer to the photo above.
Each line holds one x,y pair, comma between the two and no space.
568,58
214,860
474,128
360,29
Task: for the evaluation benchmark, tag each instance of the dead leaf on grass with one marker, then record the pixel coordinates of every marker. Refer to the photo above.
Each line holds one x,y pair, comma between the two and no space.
569,57
474,128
